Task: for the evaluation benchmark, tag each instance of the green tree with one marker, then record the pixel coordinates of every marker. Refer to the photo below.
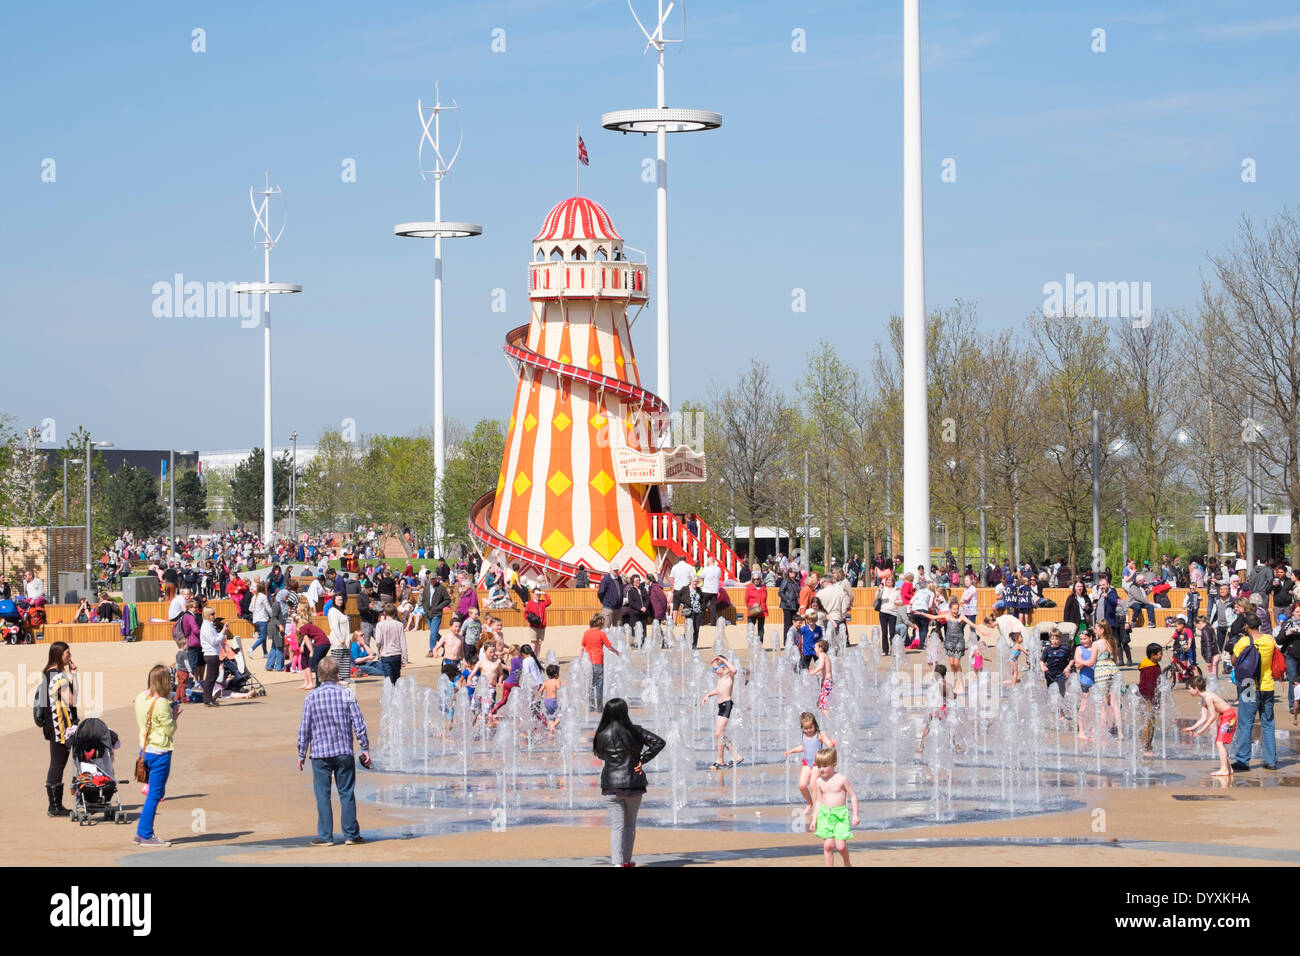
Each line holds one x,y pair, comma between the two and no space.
825,390
246,488
473,466
23,491
748,430
129,499
327,490
192,499
399,479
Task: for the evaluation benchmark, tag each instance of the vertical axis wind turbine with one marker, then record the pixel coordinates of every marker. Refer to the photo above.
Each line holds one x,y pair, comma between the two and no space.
266,288
661,121
437,230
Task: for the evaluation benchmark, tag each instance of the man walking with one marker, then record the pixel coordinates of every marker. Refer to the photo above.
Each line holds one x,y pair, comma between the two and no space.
330,719
680,575
1254,695
711,580
435,599
610,594
390,643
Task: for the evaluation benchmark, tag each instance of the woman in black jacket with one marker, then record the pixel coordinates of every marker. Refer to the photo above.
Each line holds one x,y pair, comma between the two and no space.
1078,608
788,594
625,748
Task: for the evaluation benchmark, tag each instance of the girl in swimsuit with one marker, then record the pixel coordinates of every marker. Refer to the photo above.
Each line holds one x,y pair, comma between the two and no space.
1084,658
822,669
1106,679
814,739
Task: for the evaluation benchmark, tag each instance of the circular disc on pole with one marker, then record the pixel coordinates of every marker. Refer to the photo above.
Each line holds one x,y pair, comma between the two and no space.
652,120
260,288
434,230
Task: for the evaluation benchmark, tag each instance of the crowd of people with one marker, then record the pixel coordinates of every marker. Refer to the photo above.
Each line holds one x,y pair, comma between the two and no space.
1248,629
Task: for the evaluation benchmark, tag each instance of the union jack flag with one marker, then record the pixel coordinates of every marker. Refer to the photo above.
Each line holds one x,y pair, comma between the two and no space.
582,152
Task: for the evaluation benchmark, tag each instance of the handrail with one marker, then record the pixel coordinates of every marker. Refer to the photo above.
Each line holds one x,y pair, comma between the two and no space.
633,393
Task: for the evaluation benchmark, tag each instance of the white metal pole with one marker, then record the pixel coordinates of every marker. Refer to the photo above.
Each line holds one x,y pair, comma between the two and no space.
268,491
293,492
916,434
439,439
88,512
664,384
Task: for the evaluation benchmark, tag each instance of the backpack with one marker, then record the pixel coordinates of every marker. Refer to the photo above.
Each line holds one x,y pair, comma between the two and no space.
178,633
1246,667
41,703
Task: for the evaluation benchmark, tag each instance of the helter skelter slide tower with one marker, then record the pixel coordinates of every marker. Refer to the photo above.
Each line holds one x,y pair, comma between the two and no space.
581,483
586,469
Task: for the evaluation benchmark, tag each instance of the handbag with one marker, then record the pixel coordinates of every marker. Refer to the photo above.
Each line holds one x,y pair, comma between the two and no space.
1279,663
142,768
875,605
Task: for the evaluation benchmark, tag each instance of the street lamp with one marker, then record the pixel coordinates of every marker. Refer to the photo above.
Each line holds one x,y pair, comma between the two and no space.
266,288
66,462
89,460
661,121
437,230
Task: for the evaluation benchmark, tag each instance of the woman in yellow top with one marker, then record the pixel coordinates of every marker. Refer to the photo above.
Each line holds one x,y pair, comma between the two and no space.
156,714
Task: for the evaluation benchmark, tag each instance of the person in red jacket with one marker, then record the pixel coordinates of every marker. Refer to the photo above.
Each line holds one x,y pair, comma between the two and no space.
1148,679
537,606
756,604
236,588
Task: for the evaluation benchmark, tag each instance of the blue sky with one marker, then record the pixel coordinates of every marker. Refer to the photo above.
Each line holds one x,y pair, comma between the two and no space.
1122,165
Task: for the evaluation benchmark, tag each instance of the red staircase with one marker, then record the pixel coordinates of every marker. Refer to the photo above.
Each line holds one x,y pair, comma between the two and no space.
669,531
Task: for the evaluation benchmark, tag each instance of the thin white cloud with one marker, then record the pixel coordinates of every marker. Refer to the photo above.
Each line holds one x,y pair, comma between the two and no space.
1251,28
944,54
1197,104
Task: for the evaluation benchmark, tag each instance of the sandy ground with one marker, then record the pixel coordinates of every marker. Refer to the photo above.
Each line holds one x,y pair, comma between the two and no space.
235,795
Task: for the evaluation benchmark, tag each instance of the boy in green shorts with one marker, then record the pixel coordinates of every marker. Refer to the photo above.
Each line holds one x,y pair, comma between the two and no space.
830,818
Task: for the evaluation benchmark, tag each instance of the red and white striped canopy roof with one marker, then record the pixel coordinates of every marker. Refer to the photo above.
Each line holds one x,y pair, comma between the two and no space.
577,218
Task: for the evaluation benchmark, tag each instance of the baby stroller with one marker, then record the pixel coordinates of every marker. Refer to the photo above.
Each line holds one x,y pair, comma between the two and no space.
94,788
236,677
11,624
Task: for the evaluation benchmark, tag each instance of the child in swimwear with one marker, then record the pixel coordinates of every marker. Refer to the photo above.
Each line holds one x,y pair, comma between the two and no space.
1018,658
822,668
447,685
1213,706
830,815
512,678
725,672
977,657
550,691
936,699
488,674
814,740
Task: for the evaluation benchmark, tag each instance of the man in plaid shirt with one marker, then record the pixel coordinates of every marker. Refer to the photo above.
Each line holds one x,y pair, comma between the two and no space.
330,718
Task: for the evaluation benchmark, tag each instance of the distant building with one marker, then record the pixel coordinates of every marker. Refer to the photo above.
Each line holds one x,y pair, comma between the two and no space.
153,461
1272,534
226,461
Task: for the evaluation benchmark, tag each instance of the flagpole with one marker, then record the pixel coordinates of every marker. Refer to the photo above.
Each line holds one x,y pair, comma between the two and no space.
577,161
